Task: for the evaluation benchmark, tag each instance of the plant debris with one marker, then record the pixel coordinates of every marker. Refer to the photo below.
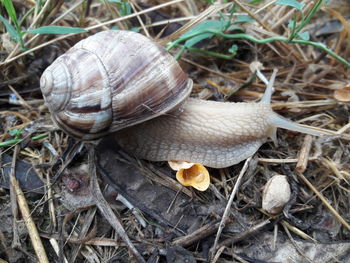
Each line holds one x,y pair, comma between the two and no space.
67,201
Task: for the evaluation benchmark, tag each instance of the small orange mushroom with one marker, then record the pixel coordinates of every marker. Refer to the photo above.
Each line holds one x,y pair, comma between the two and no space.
191,174
343,94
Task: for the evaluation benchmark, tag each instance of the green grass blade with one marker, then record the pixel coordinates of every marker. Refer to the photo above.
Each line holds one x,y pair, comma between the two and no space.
205,25
262,41
56,30
11,12
292,3
9,142
10,29
40,136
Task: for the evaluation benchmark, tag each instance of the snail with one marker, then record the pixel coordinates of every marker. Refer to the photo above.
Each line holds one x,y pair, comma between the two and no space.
124,83
112,80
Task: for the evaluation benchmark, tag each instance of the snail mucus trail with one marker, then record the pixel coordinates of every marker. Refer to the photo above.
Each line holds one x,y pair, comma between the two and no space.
124,83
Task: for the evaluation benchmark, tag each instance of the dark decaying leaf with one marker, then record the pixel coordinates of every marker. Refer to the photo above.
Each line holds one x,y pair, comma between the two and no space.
153,199
25,174
177,254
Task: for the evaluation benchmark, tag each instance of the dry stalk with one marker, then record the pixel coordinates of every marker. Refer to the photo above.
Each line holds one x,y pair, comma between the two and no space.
28,220
295,245
297,231
105,208
303,158
228,206
8,60
324,201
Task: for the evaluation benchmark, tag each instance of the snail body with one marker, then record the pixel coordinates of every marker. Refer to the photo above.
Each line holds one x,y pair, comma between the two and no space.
215,134
121,82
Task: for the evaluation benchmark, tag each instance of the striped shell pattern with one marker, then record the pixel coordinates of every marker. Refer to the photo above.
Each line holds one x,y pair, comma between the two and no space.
112,80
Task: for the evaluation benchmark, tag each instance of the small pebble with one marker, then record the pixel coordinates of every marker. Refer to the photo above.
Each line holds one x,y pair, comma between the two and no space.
276,194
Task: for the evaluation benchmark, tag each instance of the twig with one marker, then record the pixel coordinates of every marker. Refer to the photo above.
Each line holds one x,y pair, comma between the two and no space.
218,254
330,164
297,248
55,247
228,206
297,231
199,234
105,208
198,19
251,14
132,3
50,200
303,157
83,232
133,209
240,236
3,245
324,201
23,101
282,161
14,207
29,222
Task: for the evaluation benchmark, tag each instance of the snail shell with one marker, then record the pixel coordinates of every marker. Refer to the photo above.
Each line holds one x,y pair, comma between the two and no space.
110,81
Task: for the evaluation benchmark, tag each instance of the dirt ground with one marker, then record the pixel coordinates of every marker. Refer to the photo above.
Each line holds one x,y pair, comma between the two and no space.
67,200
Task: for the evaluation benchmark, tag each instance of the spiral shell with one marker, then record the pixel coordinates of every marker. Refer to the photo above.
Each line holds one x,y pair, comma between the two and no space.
112,80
